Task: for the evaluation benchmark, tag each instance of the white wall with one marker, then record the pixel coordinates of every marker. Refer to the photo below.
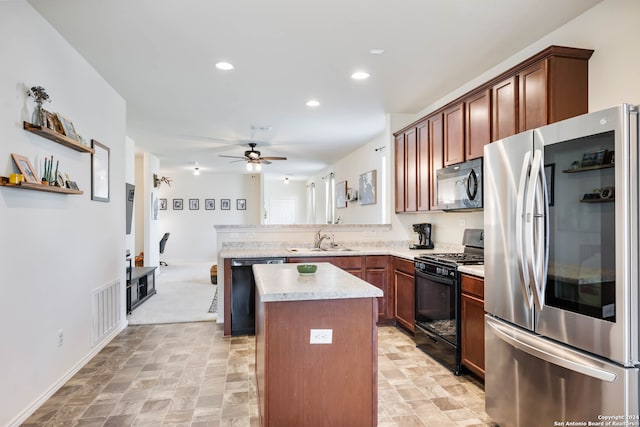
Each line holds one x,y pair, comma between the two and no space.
192,233
55,248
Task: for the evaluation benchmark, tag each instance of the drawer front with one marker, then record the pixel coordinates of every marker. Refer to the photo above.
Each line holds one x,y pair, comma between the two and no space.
472,285
376,261
403,265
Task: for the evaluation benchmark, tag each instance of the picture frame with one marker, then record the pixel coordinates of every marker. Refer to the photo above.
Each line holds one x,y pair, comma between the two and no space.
72,185
52,122
367,186
100,158
177,204
68,128
225,204
210,204
549,176
194,204
26,168
241,204
163,204
341,194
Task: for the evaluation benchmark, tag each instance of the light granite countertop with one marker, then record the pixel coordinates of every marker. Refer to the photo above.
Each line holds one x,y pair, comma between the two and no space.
474,270
402,252
282,282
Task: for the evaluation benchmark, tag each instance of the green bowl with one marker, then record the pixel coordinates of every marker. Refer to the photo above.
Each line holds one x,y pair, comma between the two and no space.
307,268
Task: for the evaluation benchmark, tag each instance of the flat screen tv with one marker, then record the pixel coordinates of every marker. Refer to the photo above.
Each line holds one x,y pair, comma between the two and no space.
130,192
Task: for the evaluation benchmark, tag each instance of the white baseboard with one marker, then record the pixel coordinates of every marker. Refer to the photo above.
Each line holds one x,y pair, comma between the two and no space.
26,413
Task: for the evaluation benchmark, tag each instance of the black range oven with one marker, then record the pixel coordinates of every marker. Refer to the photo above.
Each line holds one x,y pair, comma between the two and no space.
437,300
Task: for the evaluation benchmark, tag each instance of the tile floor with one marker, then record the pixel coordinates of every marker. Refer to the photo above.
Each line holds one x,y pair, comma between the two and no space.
187,374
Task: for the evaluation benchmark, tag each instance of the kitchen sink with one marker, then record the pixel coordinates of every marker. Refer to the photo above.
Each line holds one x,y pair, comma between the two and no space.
307,250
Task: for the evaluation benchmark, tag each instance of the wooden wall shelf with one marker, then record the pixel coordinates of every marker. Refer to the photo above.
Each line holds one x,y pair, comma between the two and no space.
56,137
38,187
589,168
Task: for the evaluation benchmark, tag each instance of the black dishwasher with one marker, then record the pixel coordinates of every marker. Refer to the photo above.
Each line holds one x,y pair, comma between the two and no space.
243,293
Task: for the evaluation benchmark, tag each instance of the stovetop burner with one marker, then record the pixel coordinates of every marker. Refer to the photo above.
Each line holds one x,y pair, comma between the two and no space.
460,258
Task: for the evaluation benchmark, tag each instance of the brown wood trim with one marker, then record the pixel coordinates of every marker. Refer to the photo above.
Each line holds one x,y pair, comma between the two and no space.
557,51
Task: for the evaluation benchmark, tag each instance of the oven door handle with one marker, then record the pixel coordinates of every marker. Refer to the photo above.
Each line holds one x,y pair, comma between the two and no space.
438,279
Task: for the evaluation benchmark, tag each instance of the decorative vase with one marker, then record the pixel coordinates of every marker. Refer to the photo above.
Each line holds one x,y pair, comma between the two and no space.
37,119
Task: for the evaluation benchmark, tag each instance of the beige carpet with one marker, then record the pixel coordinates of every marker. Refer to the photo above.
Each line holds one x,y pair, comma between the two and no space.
184,294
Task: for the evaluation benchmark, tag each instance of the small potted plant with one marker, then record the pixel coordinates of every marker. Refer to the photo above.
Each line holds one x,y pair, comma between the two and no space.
39,94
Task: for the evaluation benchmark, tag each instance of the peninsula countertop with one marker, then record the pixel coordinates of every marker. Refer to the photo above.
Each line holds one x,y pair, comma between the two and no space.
282,282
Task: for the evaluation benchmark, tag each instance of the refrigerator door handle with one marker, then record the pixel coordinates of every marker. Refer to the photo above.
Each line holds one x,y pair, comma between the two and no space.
520,220
534,238
551,353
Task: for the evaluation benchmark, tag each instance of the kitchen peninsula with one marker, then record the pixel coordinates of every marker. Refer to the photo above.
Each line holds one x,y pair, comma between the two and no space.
316,347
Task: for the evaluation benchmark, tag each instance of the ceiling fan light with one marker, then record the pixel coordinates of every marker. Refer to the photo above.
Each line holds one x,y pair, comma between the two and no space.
249,166
258,167
360,75
196,171
225,66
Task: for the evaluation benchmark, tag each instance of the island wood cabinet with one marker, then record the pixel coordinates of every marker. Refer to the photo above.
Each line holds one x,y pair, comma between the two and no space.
300,383
404,290
371,268
472,323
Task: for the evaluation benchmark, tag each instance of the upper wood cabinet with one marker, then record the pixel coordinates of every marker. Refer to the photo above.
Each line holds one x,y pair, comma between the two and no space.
477,124
504,110
412,169
436,151
399,155
454,134
550,86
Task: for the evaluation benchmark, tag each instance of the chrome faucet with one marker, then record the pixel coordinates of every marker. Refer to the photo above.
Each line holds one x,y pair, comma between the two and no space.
319,238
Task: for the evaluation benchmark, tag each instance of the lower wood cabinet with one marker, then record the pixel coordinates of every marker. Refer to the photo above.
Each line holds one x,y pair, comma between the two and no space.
404,289
472,323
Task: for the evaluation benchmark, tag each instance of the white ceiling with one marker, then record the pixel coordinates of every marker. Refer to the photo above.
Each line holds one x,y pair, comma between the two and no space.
160,55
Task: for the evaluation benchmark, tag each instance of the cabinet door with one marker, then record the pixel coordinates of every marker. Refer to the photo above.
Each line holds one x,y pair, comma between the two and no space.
436,151
405,299
376,273
411,171
504,113
422,132
532,96
472,324
454,135
400,172
477,124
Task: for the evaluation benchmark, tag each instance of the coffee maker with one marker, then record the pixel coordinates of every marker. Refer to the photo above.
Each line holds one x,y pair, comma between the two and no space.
424,236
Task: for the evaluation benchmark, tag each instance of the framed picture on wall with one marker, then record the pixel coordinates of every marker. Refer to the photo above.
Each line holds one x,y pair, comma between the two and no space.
225,204
241,204
367,188
163,204
177,204
194,204
210,204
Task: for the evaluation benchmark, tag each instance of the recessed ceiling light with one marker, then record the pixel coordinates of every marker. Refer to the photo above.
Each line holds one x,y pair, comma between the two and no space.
224,66
360,75
376,51
313,103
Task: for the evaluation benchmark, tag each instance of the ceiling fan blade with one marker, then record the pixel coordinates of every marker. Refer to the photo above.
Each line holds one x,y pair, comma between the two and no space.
273,158
264,162
232,157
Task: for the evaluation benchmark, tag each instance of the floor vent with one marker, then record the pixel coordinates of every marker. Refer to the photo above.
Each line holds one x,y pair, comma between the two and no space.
105,311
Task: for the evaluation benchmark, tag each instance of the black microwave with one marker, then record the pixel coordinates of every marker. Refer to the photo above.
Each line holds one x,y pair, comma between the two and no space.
459,186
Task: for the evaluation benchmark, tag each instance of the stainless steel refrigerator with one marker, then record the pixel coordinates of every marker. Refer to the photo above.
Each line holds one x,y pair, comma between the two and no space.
561,272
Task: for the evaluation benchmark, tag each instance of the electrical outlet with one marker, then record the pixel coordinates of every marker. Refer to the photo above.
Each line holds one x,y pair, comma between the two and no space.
321,336
60,337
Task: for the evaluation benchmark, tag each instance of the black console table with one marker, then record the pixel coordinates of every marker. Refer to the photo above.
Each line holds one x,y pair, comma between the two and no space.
141,286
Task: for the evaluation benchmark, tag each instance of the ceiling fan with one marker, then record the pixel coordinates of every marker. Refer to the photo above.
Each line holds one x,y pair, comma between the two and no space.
252,156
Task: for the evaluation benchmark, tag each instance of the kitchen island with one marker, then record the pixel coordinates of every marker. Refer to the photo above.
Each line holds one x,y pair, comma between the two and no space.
332,381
